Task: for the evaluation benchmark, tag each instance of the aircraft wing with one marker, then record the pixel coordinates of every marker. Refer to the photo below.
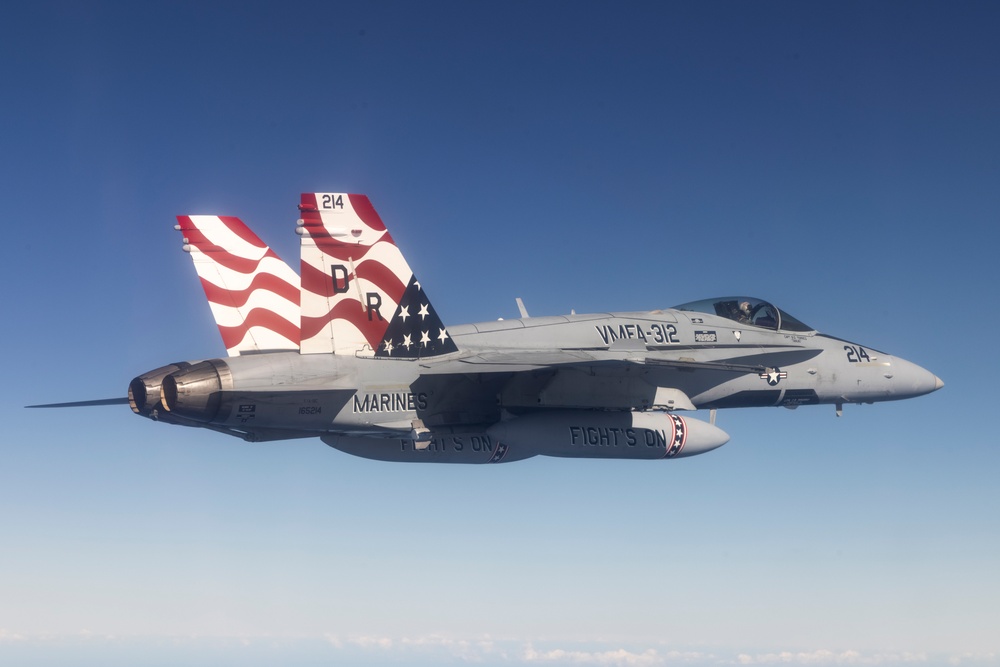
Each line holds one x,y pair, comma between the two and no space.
472,388
498,361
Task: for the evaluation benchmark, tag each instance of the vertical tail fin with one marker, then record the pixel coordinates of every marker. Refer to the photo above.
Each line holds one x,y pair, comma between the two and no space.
359,295
254,295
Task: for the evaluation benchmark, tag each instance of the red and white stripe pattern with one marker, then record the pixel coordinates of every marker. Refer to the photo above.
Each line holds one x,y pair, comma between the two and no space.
353,275
254,295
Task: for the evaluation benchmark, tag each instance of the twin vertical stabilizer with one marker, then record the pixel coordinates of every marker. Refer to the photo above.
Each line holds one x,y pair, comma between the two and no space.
359,295
254,295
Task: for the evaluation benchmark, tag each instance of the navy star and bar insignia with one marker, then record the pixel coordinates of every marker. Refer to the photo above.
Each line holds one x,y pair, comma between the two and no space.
773,376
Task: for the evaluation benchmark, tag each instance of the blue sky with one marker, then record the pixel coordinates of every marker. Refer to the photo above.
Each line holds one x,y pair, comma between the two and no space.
839,159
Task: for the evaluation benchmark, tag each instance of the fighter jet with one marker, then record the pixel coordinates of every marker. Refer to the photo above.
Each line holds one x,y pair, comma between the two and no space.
357,356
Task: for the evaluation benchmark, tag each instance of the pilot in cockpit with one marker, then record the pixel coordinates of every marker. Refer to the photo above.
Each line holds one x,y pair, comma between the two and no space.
745,313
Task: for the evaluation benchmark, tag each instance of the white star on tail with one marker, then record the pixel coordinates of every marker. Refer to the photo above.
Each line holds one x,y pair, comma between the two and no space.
443,336
404,312
423,312
424,338
407,342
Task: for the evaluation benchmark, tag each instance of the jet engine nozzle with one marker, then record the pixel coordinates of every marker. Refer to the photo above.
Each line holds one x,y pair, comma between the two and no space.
196,392
144,391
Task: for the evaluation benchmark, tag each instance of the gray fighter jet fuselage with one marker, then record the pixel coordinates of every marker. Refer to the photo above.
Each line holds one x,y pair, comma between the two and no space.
543,385
351,351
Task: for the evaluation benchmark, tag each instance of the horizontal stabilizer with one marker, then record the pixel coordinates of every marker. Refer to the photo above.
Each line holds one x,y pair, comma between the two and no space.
83,404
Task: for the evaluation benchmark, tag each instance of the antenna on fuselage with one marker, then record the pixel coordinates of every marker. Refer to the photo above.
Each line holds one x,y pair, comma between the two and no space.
520,307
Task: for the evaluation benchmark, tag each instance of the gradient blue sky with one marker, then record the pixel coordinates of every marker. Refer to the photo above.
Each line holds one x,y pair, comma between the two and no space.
840,159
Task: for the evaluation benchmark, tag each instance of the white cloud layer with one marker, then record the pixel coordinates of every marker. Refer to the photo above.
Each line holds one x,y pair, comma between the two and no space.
442,649
825,657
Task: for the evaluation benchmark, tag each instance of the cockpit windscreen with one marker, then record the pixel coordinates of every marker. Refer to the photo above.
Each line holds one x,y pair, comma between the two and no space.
747,310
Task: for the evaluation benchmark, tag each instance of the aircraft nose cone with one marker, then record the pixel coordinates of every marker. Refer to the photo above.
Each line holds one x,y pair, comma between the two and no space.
912,380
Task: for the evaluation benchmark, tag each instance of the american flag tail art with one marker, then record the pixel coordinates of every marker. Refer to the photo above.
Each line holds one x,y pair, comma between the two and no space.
359,295
254,295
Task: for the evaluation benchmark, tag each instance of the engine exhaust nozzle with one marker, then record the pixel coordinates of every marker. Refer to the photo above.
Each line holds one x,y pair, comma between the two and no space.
196,392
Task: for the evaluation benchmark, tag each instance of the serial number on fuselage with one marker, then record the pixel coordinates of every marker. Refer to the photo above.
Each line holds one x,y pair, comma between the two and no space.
662,334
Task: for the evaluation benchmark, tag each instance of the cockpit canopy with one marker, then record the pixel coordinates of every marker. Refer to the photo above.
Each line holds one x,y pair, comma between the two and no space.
747,310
